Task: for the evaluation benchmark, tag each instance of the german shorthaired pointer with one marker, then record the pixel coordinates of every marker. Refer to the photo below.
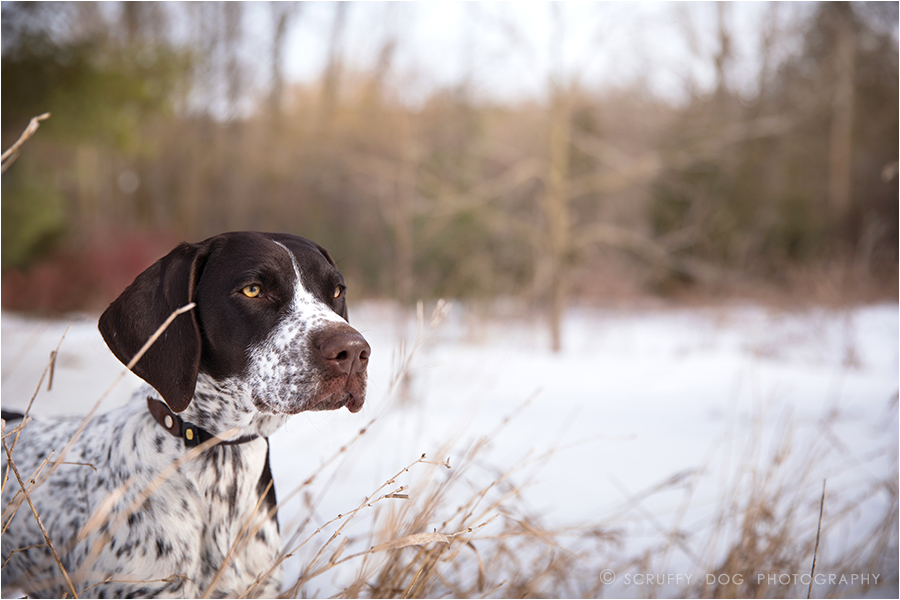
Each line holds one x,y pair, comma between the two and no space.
268,338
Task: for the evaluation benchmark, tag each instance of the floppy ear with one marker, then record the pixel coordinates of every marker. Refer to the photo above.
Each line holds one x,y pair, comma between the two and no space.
324,253
171,364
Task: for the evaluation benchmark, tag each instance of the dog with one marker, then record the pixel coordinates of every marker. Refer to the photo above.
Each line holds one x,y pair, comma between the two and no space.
172,495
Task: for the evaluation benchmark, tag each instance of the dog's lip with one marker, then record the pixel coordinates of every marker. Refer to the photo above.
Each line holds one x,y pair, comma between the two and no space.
334,395
350,393
353,402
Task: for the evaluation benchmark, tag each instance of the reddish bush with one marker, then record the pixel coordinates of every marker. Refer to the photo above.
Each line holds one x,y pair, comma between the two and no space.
84,275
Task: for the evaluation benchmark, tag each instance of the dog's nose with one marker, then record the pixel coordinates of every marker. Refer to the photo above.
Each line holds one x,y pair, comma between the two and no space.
344,350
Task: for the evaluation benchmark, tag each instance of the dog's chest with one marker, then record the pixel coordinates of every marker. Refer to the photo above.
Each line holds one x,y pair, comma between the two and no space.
237,528
216,505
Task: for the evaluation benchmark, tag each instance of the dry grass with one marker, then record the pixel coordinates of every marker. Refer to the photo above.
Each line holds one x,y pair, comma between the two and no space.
437,529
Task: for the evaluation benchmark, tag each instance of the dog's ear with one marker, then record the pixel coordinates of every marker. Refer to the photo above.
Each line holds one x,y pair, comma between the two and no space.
171,364
324,253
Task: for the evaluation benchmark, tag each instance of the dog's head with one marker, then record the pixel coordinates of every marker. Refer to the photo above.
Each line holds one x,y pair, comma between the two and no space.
271,311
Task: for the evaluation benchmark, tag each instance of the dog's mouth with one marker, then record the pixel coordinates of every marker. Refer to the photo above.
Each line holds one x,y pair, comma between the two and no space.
339,392
330,394
353,402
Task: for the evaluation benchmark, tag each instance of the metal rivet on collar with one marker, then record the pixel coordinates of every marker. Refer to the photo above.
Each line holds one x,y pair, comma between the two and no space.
190,433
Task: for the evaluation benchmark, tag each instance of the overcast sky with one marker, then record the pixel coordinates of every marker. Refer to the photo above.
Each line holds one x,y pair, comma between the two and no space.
504,49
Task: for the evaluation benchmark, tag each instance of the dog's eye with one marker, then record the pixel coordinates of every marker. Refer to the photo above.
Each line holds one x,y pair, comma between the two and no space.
338,291
252,291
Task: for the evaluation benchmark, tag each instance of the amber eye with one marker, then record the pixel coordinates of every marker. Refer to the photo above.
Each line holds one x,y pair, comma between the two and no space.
252,291
338,291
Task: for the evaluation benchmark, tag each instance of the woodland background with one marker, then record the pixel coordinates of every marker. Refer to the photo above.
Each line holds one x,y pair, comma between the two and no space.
177,121
657,182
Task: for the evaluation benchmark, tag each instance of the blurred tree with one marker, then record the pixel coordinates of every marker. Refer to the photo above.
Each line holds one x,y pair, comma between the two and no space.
810,186
283,14
331,78
840,136
178,116
845,78
723,55
101,91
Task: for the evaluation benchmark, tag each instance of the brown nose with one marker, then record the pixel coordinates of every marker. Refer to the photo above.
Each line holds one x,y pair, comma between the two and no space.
344,350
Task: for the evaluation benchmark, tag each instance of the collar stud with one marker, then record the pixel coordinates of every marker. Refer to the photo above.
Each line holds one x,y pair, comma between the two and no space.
190,433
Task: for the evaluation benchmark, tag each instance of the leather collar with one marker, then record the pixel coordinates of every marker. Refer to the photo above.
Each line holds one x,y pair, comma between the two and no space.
187,431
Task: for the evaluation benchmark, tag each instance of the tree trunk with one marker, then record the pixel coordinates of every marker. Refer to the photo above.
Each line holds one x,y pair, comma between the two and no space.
332,75
556,211
403,227
722,56
841,134
281,14
556,196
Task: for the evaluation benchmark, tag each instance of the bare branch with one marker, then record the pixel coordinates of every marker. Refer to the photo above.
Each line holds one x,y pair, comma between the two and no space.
12,152
627,171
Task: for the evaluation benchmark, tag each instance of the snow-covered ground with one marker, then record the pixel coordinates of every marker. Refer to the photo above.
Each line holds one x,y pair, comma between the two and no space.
635,397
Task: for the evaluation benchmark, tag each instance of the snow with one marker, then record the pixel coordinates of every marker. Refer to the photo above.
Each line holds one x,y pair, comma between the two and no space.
635,397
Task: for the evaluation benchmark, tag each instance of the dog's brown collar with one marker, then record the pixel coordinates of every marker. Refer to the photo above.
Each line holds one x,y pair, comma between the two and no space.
187,431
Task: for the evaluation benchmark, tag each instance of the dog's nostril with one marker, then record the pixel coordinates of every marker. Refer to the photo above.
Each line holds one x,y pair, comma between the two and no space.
344,350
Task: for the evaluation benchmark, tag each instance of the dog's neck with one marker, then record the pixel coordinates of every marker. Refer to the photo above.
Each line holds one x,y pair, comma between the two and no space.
225,409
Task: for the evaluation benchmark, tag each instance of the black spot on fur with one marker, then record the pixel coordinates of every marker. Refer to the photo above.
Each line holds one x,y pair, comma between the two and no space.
208,562
271,500
163,548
